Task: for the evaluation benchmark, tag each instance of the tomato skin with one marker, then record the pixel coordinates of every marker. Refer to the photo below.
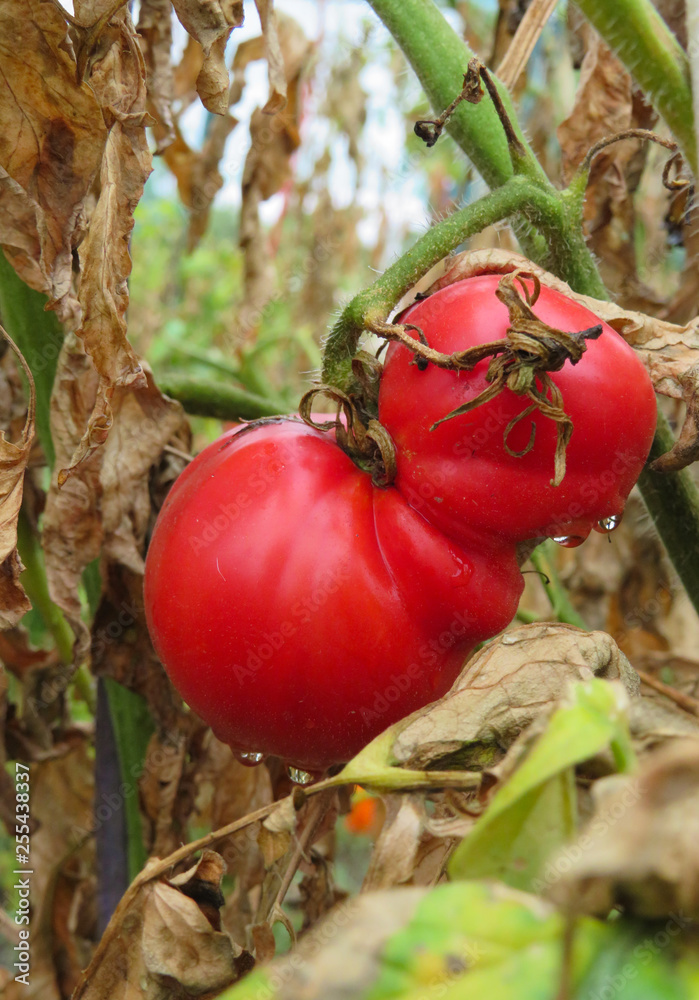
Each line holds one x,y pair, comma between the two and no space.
459,474
299,609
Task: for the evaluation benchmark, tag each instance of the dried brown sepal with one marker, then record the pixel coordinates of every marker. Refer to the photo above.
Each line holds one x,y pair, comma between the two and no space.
430,129
365,440
669,351
520,362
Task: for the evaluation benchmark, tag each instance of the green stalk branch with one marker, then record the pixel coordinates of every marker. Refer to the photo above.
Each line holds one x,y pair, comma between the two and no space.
543,562
376,302
440,58
218,399
642,40
672,500
33,580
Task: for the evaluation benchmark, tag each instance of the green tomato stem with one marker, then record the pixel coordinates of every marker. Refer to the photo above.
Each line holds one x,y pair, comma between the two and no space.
643,42
672,500
440,59
543,562
33,579
218,399
376,302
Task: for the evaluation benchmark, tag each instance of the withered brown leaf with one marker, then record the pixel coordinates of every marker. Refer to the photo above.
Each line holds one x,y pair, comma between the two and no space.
52,135
164,940
14,456
639,848
393,858
155,36
211,22
105,504
502,690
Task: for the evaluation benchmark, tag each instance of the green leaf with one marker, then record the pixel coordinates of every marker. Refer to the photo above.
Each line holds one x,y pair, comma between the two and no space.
133,727
470,940
534,812
515,849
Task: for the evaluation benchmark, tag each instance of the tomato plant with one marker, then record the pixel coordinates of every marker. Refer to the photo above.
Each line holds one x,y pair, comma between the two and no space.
298,608
461,476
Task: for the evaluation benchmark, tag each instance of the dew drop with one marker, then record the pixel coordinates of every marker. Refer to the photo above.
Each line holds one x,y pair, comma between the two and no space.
568,541
298,776
250,759
608,524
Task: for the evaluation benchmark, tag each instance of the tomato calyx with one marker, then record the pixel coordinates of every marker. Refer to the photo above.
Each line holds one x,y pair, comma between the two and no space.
520,362
357,432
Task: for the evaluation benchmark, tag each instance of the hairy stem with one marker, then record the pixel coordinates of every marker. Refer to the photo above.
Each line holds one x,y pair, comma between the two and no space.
33,580
440,57
376,302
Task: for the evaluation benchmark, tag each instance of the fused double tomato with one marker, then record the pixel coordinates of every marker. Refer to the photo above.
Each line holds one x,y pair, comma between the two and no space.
300,609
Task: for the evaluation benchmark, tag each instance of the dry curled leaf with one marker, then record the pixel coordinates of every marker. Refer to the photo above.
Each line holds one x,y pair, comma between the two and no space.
639,849
607,103
155,37
502,690
275,59
118,80
274,138
669,352
164,943
52,136
394,856
14,456
105,504
210,22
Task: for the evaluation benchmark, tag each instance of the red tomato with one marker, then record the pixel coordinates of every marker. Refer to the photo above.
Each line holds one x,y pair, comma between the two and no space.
299,609
460,476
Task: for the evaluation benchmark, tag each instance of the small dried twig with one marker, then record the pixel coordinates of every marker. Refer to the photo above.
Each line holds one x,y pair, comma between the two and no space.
684,701
629,133
526,37
316,813
430,129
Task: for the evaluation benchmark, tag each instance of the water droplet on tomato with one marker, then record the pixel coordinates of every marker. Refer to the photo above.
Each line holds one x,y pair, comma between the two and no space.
250,759
568,541
298,776
608,524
